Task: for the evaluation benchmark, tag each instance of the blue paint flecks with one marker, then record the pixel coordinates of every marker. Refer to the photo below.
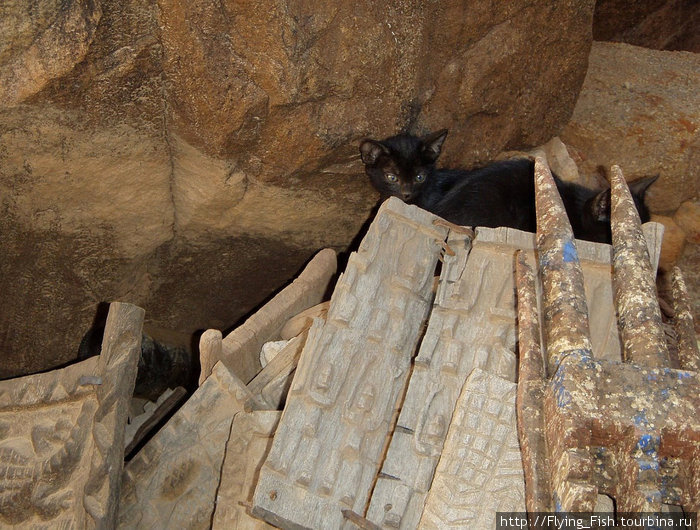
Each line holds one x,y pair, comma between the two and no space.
562,394
570,253
557,503
640,419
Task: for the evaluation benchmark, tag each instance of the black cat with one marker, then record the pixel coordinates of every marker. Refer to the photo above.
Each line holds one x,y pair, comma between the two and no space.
499,194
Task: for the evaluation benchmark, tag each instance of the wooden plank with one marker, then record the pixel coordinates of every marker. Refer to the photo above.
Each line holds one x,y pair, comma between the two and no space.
172,481
473,324
250,441
271,385
239,349
480,471
141,425
353,369
62,434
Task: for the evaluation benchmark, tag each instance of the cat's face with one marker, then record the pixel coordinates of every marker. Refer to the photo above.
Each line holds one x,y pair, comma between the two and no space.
595,218
400,166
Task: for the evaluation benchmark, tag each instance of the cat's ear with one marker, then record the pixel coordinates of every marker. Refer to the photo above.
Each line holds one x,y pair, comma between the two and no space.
599,206
640,186
432,144
371,150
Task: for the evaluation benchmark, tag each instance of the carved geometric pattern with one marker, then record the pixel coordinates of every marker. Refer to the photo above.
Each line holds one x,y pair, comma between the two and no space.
472,325
250,441
353,368
480,470
172,481
62,434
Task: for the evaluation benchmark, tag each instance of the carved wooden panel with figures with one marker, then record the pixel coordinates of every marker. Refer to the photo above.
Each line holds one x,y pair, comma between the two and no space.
352,371
62,434
472,325
251,438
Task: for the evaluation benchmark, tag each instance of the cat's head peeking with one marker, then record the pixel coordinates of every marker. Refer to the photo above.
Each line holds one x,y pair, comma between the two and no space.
596,211
401,165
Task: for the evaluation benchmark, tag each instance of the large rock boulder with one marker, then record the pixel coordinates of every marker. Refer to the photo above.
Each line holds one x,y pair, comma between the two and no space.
640,108
658,24
190,157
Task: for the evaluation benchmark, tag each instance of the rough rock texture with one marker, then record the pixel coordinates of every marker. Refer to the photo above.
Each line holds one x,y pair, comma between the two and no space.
640,109
190,158
658,24
688,218
40,41
673,243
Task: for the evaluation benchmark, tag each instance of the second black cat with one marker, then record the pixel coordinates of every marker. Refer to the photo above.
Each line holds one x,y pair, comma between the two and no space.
499,194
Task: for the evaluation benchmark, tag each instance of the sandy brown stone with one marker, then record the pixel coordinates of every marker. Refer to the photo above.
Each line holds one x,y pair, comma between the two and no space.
639,109
41,41
673,242
688,218
658,24
178,150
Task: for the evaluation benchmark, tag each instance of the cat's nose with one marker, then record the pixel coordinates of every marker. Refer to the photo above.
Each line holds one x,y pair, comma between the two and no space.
406,195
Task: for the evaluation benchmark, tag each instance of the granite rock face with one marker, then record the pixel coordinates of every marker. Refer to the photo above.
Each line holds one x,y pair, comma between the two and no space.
640,109
191,158
658,24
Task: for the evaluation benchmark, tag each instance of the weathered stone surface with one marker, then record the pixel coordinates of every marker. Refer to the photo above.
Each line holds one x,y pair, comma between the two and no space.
172,481
640,109
478,61
310,77
226,133
62,435
329,443
480,471
688,218
673,243
42,41
250,441
658,24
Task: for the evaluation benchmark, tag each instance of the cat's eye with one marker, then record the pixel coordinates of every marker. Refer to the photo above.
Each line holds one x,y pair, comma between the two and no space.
420,177
391,177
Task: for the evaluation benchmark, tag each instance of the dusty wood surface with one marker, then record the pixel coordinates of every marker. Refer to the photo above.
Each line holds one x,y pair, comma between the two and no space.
531,383
480,471
172,481
62,434
302,322
628,430
688,354
239,349
329,443
634,281
472,324
247,447
271,385
141,425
